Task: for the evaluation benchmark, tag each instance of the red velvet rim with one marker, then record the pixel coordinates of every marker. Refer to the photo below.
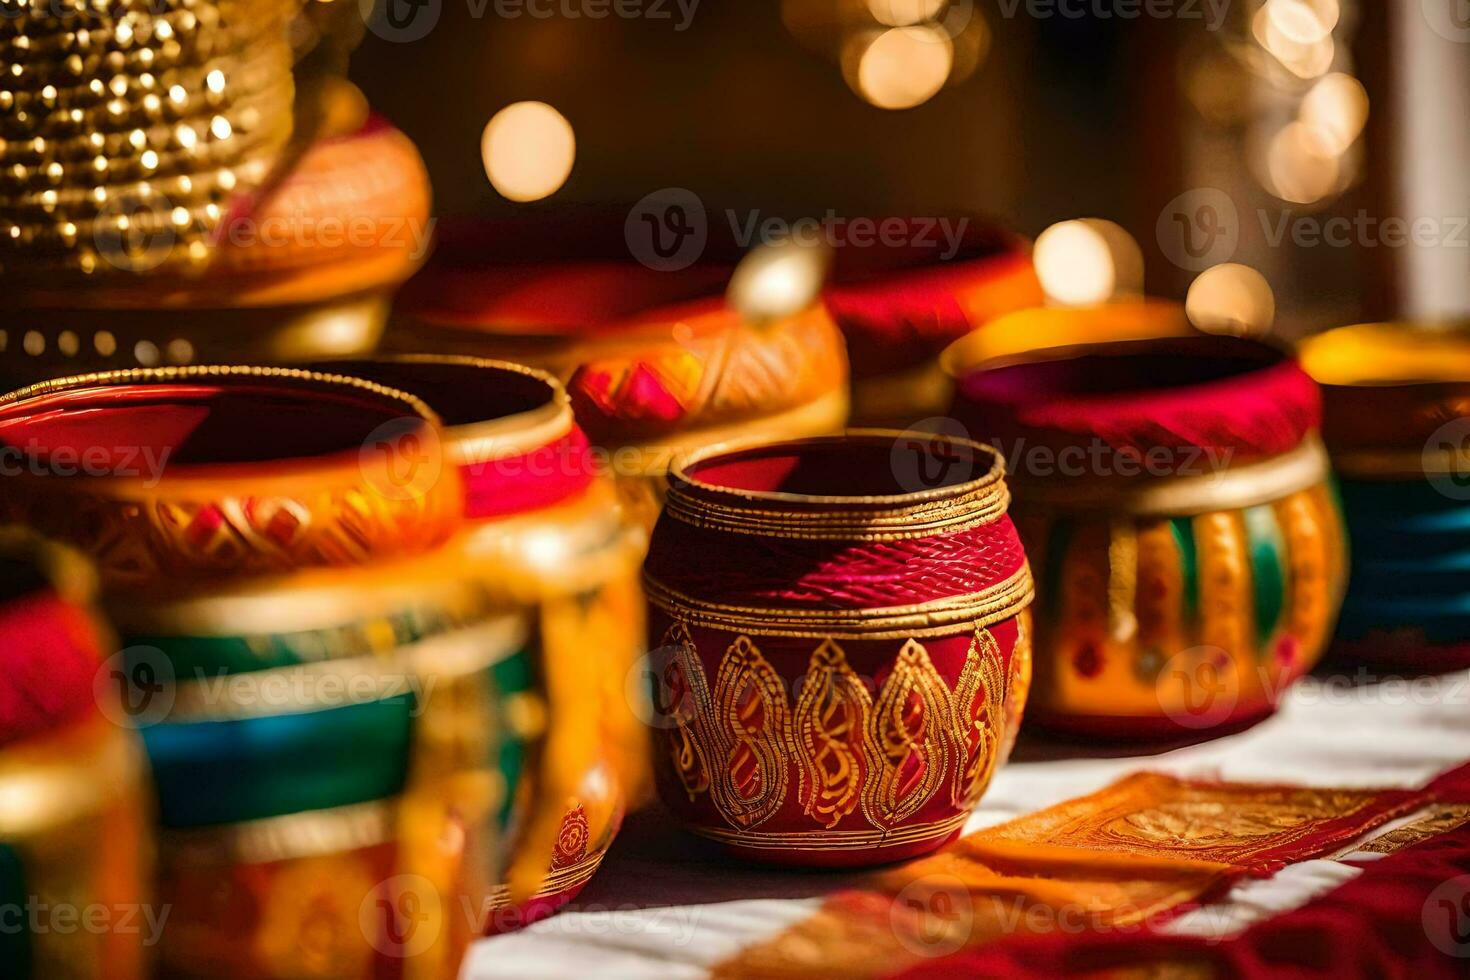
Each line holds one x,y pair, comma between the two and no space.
196,426
1221,394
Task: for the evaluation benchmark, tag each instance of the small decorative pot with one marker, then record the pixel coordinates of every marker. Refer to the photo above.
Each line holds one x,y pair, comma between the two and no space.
544,529
1396,402
1173,494
842,644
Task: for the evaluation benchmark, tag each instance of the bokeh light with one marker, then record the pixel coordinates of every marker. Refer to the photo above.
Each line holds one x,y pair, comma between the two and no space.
1336,110
1231,298
528,149
1088,261
901,67
1300,166
778,279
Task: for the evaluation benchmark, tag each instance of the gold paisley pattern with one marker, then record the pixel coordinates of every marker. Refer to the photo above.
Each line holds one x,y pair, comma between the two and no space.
750,698
847,750
832,711
908,742
689,707
979,706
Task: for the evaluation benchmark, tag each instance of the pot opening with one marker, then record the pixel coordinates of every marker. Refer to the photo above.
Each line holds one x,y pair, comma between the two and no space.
1131,368
854,469
116,427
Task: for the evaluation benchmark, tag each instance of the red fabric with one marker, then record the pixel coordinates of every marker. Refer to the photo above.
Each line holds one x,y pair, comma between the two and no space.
792,573
1396,920
545,476
1216,393
48,662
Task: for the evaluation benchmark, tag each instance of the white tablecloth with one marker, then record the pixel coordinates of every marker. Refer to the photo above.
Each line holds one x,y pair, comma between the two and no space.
667,905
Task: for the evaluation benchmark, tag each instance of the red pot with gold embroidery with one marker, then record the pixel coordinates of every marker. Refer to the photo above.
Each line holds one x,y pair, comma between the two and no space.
1174,495
842,653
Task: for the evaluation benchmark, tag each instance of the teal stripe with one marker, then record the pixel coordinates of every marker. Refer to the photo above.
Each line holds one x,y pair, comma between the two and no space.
1183,528
1058,542
15,939
1268,570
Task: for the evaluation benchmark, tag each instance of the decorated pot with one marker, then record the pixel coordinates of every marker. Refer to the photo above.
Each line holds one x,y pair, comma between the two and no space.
224,471
842,644
287,213
1174,496
316,814
657,362
1396,401
75,841
544,528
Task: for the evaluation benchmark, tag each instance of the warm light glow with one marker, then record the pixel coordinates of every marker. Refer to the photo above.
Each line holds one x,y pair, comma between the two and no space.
1302,21
1335,110
1305,59
904,67
1087,261
528,149
1300,167
1231,298
904,13
778,280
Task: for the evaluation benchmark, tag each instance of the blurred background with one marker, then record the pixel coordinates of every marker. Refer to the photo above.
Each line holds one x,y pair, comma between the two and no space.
1028,111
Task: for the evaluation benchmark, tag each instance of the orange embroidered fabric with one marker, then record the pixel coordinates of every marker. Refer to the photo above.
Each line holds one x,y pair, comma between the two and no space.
1129,856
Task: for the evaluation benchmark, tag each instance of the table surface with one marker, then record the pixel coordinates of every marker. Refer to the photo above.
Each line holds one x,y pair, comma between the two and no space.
666,904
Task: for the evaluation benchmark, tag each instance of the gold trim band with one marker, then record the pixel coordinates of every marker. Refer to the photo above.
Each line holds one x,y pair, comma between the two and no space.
833,840
936,618
128,376
1249,485
891,517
